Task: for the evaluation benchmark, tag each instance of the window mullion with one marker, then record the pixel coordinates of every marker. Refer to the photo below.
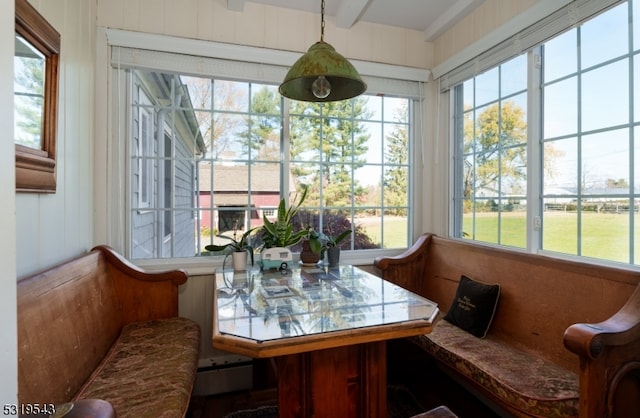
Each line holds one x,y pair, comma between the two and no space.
535,155
285,146
457,172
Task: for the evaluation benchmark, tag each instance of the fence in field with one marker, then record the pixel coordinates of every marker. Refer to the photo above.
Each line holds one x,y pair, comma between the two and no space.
597,207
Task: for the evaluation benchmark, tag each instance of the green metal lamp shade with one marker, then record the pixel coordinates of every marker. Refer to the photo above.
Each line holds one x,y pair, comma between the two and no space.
322,61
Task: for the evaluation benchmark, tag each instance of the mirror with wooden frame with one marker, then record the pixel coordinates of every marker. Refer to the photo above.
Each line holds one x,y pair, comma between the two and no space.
37,50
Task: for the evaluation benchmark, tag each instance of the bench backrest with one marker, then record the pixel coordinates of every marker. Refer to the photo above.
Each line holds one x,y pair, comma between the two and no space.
68,318
540,296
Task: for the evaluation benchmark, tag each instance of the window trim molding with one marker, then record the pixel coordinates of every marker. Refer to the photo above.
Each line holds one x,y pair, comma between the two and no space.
244,53
196,266
36,168
112,195
535,186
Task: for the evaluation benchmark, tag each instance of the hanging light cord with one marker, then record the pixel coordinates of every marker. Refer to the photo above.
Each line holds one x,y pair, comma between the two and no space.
322,22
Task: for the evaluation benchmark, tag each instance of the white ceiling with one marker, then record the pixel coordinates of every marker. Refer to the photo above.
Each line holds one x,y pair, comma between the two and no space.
430,16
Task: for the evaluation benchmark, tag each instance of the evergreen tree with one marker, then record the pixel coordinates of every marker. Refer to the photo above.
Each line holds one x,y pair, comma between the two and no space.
329,136
263,134
396,177
29,81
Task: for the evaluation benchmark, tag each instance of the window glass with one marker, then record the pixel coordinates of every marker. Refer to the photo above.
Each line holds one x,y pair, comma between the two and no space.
561,56
487,87
516,81
561,176
468,94
208,160
605,96
561,108
605,163
635,6
605,37
589,146
586,177
560,225
636,88
29,66
495,157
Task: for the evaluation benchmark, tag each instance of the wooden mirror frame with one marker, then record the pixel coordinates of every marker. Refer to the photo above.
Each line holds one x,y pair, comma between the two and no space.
36,168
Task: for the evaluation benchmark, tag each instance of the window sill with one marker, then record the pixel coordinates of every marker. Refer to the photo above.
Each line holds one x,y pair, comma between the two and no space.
196,266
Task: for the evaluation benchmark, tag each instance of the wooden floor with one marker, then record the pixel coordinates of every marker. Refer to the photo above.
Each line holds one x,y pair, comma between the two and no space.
406,367
218,406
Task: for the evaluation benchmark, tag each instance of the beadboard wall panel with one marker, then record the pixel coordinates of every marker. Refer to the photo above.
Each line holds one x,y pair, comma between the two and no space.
195,301
265,26
51,228
484,20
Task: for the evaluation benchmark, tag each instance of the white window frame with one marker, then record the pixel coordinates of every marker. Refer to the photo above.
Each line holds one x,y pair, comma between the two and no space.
583,9
221,59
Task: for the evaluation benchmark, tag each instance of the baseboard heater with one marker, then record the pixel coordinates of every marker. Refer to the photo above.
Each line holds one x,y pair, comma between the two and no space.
223,378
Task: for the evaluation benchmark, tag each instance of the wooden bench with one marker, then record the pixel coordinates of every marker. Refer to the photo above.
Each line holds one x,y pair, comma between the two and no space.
546,305
97,327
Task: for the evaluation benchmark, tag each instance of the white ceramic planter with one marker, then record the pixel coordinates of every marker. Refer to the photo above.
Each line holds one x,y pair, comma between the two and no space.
239,259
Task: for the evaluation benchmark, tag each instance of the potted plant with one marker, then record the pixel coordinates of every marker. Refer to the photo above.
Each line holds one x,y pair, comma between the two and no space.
312,249
280,232
332,245
238,248
319,243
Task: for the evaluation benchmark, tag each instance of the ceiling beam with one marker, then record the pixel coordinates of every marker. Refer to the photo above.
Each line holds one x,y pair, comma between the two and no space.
235,5
349,12
455,13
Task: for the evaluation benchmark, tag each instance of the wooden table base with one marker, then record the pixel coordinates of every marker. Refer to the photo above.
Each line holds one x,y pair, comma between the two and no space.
347,381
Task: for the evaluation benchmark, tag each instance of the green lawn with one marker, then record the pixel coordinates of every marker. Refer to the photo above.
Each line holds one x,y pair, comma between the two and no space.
604,236
395,230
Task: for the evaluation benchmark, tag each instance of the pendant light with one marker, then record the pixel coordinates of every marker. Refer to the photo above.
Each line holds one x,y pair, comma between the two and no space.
322,74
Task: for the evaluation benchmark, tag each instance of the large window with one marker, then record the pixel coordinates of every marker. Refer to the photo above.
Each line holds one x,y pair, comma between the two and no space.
211,156
492,188
560,175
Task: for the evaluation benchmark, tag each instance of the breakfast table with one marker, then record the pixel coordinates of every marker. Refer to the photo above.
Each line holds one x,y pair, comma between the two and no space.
326,329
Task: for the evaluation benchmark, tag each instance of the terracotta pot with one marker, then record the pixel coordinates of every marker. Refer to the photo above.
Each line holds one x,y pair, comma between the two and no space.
306,255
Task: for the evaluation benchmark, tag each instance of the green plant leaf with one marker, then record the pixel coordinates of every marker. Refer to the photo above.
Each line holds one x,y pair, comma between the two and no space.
216,248
341,237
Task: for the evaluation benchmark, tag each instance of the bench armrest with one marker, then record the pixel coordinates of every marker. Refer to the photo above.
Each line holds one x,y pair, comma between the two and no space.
609,354
407,269
142,295
593,340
